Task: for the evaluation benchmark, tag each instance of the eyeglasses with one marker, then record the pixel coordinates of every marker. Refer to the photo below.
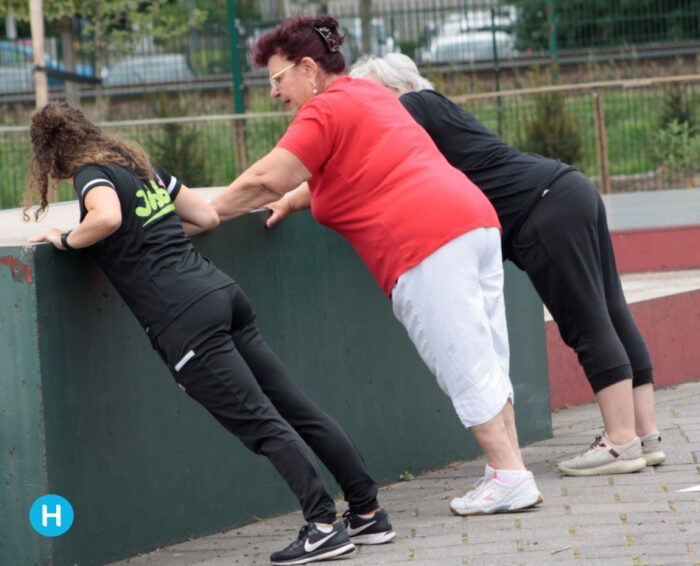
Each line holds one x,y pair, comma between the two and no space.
275,79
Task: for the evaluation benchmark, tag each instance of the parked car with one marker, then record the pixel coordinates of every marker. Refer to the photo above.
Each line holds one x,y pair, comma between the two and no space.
457,23
381,41
470,46
16,55
16,79
148,69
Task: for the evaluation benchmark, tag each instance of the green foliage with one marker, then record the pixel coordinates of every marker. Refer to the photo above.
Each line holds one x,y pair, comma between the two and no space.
530,28
409,46
212,61
179,147
216,13
263,133
117,26
677,150
678,106
602,23
406,476
549,129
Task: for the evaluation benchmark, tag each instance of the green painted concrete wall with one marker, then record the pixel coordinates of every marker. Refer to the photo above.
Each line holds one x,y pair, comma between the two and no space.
92,415
22,435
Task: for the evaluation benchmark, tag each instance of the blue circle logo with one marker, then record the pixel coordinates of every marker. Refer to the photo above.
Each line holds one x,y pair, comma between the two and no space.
51,515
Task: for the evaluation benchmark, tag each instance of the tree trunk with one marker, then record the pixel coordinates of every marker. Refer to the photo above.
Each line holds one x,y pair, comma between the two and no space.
101,102
283,9
366,17
36,16
69,59
10,24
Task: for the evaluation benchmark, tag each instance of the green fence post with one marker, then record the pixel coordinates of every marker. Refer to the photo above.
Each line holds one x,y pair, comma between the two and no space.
236,75
497,71
238,86
552,32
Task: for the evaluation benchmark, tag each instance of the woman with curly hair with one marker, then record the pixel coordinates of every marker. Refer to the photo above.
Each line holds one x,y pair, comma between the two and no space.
135,222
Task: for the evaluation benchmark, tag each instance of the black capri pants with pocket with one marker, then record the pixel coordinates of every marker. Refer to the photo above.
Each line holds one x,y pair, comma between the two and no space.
565,248
217,355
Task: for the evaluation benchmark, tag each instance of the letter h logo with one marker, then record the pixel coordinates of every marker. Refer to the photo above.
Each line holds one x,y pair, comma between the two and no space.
51,515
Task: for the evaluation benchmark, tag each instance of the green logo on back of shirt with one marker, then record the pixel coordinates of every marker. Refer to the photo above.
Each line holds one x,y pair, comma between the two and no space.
156,202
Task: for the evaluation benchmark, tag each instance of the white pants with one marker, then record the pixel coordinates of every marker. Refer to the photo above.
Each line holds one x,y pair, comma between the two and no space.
451,305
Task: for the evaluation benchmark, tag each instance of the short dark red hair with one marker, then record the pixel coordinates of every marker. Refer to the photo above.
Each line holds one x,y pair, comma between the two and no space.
298,37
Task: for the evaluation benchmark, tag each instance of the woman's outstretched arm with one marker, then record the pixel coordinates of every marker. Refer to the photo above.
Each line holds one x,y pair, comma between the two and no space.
266,181
104,217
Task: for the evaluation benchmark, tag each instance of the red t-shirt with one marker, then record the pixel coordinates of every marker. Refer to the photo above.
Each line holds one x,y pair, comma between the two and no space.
378,179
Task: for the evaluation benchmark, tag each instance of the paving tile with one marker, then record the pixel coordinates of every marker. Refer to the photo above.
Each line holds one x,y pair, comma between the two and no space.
627,519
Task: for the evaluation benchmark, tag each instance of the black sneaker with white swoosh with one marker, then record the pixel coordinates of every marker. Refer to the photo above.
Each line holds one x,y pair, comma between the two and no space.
313,545
375,529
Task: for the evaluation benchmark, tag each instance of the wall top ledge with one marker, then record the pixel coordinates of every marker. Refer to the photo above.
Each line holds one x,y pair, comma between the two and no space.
64,215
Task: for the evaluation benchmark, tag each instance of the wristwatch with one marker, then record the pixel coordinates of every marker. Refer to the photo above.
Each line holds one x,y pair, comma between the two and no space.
64,241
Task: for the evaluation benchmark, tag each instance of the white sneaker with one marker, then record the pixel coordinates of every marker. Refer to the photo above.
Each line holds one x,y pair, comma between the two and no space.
495,496
604,457
651,449
476,489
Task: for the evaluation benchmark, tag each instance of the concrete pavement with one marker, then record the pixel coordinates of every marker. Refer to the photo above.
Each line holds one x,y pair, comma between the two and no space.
631,519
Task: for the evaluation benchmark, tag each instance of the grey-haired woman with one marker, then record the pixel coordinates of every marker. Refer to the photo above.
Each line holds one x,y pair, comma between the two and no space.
555,229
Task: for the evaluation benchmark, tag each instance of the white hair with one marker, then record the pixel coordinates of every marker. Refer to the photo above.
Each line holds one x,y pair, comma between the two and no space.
394,70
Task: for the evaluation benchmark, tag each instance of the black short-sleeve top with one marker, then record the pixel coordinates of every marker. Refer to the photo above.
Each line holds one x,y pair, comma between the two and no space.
149,259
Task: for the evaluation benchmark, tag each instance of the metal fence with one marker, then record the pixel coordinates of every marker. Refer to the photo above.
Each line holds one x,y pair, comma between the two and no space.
203,151
444,36
626,135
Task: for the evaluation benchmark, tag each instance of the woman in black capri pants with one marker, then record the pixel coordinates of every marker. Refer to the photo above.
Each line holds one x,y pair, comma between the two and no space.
134,221
555,229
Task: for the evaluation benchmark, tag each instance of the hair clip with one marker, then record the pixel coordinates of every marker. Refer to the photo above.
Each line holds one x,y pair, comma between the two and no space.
325,33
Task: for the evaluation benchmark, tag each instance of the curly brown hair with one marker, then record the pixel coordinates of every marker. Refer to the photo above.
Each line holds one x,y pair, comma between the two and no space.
63,139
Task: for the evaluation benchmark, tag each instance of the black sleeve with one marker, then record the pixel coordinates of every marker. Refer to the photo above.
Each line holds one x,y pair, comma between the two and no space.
417,106
169,182
90,176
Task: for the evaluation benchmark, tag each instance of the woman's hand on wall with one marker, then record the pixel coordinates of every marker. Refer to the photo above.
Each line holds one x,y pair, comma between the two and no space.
293,201
52,235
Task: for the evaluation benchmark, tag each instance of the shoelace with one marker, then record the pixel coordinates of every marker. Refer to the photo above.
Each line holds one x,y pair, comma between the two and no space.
597,442
478,486
347,518
303,532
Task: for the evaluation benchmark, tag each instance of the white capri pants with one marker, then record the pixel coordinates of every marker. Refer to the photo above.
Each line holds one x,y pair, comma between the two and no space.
451,305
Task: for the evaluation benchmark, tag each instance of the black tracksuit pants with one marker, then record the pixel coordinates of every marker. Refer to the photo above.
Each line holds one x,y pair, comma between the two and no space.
234,374
564,246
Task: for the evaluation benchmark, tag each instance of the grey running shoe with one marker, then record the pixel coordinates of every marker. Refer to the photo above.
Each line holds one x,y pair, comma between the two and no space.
604,457
494,496
651,448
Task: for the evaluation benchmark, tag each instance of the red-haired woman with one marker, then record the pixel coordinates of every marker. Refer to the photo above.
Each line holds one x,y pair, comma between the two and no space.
132,218
427,234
